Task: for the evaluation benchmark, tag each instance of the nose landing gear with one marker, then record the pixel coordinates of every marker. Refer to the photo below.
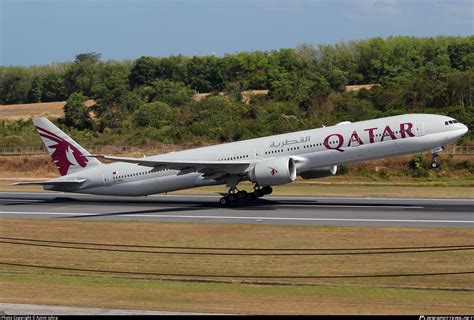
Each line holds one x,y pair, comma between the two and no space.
435,163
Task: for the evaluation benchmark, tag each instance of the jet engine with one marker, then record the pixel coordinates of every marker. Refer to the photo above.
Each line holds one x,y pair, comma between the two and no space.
274,171
319,172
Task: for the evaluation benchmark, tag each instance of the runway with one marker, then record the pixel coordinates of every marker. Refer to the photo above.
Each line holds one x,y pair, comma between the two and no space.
268,210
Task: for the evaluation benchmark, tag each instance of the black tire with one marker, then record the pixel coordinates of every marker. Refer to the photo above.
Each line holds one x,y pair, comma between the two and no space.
224,201
232,198
251,196
259,193
435,165
267,190
242,194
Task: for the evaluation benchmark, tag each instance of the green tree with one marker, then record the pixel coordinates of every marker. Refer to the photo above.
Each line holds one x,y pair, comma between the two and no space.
15,84
459,89
36,91
154,114
83,74
114,101
461,54
76,114
173,93
53,87
91,57
143,71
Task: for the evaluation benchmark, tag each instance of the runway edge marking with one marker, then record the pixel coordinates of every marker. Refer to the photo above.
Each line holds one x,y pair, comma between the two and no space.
230,217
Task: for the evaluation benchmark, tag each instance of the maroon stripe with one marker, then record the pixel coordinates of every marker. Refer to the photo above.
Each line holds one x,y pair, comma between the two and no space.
48,132
58,140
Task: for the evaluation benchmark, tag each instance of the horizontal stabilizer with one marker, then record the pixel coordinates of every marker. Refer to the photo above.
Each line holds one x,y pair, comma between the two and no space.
51,183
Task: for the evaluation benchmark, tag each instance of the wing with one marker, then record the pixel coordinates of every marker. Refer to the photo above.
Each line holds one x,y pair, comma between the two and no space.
211,169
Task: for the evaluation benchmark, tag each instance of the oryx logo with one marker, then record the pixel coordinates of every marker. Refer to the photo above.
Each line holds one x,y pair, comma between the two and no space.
65,154
274,171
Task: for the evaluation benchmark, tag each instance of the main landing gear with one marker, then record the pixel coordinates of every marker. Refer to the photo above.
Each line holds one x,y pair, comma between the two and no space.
435,163
235,195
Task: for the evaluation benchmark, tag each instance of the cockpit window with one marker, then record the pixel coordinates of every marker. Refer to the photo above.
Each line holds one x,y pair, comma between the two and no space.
447,123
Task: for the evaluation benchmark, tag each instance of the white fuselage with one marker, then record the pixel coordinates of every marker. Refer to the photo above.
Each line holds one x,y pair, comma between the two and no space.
315,148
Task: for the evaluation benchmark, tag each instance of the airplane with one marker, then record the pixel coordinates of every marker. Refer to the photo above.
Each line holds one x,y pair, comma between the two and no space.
266,162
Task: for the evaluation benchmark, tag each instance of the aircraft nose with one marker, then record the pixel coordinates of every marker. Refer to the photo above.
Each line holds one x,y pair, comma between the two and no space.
463,130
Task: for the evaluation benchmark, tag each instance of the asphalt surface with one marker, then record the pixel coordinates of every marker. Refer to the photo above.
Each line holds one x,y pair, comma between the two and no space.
268,210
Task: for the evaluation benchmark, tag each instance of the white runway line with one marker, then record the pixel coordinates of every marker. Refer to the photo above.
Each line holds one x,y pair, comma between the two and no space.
352,206
118,214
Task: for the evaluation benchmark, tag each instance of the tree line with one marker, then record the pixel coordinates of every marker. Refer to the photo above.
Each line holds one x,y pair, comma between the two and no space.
149,100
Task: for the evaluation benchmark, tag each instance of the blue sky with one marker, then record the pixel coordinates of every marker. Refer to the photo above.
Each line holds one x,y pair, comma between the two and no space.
47,31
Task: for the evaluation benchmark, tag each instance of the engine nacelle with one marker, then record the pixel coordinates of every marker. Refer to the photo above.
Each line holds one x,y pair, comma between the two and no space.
274,171
319,172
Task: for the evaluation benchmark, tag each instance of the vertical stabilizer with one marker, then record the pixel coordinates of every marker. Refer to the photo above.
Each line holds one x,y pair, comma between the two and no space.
67,154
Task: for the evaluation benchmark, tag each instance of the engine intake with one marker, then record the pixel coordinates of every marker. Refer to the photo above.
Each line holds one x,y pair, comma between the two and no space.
274,171
319,172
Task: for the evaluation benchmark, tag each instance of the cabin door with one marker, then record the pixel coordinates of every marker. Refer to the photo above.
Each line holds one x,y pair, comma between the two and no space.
258,154
107,180
420,129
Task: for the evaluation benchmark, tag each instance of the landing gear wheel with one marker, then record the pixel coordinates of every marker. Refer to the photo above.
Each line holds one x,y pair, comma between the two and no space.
258,193
224,201
242,194
435,164
267,190
251,196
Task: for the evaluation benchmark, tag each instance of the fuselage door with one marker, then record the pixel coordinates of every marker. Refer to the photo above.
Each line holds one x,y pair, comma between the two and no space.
258,154
420,129
107,180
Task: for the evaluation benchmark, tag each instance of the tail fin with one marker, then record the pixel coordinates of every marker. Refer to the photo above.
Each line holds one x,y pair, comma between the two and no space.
67,154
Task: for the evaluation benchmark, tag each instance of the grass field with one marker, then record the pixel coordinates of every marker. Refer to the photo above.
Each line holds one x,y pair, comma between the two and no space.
14,112
444,294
